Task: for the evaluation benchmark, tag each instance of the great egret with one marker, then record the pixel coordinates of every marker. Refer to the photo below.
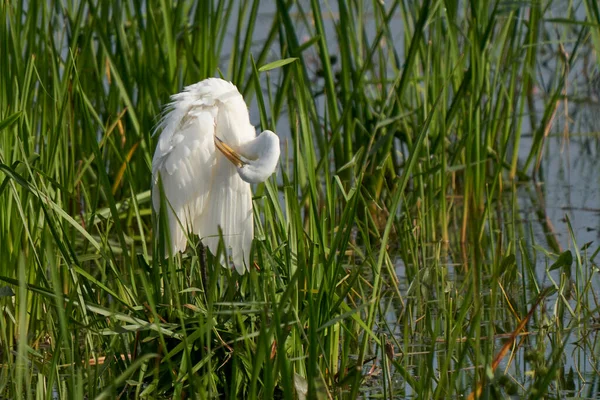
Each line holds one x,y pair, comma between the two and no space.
207,156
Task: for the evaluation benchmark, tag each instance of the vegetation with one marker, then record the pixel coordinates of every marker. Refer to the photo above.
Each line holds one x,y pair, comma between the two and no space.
391,256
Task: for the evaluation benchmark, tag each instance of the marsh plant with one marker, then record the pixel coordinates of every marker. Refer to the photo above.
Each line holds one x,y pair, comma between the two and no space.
393,256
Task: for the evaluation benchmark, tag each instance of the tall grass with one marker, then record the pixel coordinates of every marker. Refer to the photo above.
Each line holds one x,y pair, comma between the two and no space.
391,259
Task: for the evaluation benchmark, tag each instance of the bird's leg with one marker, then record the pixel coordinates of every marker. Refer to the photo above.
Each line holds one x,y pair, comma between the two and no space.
202,254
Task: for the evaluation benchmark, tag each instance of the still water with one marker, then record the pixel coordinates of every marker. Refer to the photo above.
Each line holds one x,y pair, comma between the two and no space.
559,209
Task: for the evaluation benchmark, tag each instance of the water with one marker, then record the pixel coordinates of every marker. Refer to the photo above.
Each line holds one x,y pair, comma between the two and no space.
561,209
567,189
570,179
569,183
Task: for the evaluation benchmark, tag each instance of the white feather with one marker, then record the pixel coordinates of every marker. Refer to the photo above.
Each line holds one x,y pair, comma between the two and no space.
203,188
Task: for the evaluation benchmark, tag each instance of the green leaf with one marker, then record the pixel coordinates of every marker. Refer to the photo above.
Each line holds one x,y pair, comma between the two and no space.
564,261
11,119
277,64
508,262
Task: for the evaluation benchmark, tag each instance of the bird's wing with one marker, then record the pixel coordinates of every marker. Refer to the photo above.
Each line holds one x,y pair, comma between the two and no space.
184,159
229,206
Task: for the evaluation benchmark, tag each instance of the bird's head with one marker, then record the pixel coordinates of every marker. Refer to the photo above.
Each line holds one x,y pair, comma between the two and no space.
255,160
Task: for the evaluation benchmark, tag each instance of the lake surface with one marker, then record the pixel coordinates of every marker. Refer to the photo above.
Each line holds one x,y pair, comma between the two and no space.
570,171
566,190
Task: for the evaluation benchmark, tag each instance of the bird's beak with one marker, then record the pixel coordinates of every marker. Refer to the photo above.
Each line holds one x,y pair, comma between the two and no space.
229,153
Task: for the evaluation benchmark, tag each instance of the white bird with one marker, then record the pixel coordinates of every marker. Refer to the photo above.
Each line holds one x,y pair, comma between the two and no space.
207,156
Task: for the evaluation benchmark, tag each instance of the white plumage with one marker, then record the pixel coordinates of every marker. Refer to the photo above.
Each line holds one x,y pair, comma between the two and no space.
206,188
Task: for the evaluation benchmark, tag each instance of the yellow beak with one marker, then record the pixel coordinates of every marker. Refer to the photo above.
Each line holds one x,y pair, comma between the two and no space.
229,153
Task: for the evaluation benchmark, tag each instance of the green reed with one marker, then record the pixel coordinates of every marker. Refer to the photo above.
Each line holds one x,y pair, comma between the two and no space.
391,258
